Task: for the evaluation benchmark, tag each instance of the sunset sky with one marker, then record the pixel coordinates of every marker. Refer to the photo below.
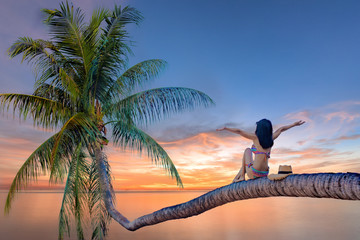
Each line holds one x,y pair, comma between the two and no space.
281,60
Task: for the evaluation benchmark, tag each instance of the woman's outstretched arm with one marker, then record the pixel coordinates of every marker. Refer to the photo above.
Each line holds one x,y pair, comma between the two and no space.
287,127
245,134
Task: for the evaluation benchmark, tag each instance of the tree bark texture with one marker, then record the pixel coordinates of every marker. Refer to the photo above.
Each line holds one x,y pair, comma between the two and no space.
345,186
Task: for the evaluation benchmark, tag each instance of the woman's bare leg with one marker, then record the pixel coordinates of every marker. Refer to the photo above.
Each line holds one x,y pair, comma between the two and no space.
247,158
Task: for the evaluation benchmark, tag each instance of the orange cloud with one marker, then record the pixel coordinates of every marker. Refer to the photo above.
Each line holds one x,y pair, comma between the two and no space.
342,115
302,115
205,160
339,139
212,159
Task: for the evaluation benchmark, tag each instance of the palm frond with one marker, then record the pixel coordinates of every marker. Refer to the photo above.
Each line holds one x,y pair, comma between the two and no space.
110,59
54,93
66,78
78,129
155,104
135,76
74,199
38,162
127,135
45,56
49,63
67,30
33,50
112,51
92,38
119,18
45,112
100,218
92,31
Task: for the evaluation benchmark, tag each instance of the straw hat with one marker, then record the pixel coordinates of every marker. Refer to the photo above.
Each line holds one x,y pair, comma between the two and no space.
284,171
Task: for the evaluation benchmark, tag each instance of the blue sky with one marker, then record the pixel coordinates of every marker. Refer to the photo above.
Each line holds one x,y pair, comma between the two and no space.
281,60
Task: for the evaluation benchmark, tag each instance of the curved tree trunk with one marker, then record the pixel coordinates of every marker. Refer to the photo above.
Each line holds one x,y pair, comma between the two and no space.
344,186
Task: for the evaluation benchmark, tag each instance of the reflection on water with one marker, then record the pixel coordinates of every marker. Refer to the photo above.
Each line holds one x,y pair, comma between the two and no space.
35,216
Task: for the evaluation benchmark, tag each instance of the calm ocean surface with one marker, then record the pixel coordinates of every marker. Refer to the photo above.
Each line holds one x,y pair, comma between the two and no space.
35,216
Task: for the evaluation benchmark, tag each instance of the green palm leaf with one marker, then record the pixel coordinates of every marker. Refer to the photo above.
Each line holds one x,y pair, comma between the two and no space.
74,199
92,38
92,31
127,135
155,104
67,27
45,112
78,129
112,51
54,93
117,21
135,76
48,61
100,218
37,50
37,163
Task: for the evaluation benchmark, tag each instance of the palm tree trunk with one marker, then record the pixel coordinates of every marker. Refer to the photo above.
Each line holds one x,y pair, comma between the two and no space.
345,186
107,189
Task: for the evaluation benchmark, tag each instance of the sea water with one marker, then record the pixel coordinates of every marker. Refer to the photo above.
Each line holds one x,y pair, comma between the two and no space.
34,215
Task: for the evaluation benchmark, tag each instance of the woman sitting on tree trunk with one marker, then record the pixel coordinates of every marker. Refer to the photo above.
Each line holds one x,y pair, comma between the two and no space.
263,140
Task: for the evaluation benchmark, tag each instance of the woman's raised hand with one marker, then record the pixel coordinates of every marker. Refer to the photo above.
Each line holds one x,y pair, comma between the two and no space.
298,123
220,129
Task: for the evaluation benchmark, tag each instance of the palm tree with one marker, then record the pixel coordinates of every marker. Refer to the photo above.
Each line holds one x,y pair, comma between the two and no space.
345,186
83,88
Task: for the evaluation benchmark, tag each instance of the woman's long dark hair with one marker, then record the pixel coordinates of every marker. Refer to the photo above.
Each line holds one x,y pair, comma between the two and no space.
264,132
